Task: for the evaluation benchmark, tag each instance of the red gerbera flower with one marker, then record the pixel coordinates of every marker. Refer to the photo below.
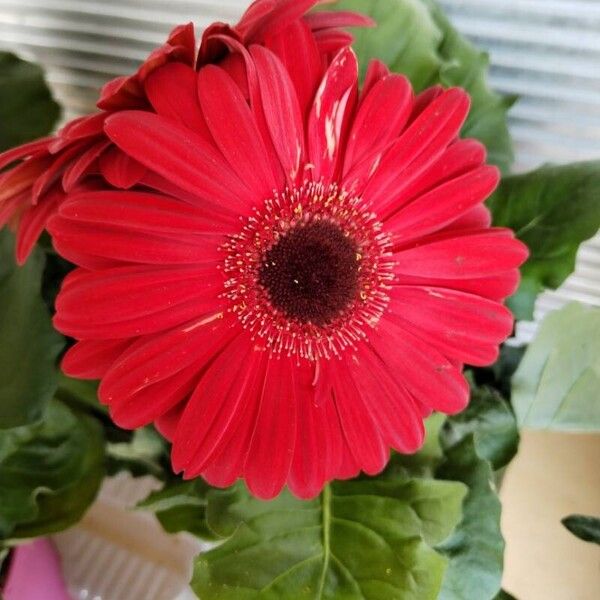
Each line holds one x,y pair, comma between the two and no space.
31,192
303,287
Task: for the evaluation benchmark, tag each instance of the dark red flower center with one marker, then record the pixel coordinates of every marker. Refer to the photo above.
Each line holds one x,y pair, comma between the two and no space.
311,273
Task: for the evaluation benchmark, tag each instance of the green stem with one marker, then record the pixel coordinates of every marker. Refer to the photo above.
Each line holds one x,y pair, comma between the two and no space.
326,508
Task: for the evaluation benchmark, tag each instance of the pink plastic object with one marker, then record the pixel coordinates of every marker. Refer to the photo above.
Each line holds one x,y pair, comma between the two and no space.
35,573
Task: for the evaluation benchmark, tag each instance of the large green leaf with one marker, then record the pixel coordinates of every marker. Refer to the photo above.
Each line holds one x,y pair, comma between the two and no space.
406,38
491,422
358,540
557,385
29,346
27,110
553,210
415,38
585,528
476,548
50,472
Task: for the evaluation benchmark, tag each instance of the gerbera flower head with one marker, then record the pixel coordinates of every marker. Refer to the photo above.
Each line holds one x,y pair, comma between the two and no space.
291,290
43,171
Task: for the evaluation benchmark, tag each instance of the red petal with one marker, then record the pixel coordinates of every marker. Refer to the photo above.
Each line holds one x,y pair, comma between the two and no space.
160,357
496,287
391,407
172,91
360,430
332,41
301,59
282,111
14,206
135,300
156,182
463,326
167,423
20,152
216,407
33,222
459,158
227,464
425,139
149,404
272,447
56,169
380,118
130,245
479,217
319,439
120,170
428,375
424,99
443,205
23,177
473,255
376,71
144,212
78,130
224,403
334,102
120,93
235,131
91,359
80,167
180,156
271,17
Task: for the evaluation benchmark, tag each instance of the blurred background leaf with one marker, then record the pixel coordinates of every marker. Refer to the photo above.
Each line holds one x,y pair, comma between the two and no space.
50,471
29,345
553,210
181,506
475,442
557,385
27,109
585,528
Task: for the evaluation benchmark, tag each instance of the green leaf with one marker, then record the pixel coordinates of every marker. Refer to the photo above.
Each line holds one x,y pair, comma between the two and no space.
552,210
50,471
556,386
491,422
424,462
585,528
359,540
414,37
505,367
81,394
502,595
406,38
29,346
476,548
181,506
27,110
142,455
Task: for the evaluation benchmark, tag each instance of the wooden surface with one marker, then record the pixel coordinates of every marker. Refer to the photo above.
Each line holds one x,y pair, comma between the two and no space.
553,476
